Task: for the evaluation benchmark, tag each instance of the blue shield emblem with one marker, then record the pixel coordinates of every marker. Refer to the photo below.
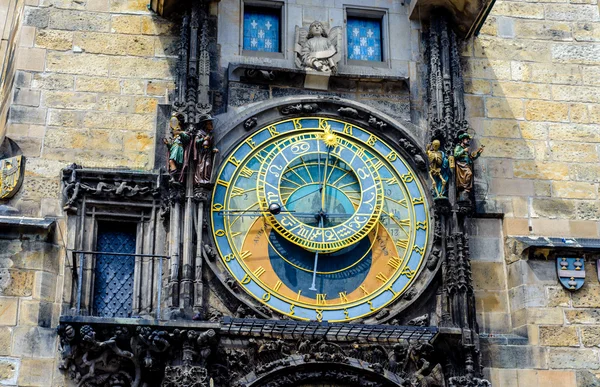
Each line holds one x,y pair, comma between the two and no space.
571,272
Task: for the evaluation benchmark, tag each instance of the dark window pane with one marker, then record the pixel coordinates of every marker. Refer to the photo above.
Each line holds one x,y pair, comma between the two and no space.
113,283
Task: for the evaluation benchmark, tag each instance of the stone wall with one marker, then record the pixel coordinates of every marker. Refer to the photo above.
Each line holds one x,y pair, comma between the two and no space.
533,83
10,12
90,76
30,277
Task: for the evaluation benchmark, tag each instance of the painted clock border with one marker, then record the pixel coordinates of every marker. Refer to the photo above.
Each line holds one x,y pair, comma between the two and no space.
383,296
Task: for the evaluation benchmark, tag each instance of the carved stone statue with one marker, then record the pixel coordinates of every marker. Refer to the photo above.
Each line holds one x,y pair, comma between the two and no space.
464,167
176,144
205,152
439,169
317,49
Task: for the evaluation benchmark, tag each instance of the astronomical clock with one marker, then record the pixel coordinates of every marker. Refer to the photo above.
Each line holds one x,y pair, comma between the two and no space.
320,219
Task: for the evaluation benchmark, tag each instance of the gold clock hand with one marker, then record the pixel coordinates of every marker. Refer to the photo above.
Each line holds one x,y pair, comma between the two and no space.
314,278
324,182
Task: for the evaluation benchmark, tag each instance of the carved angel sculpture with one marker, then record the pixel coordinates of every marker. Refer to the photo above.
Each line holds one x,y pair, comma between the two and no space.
318,50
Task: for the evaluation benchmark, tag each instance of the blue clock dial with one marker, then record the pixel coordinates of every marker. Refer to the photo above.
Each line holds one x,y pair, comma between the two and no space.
352,226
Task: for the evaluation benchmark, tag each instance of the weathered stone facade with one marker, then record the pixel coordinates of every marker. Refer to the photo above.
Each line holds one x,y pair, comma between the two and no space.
90,77
533,100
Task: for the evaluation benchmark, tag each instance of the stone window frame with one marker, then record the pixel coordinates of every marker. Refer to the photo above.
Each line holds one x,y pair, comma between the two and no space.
92,196
144,303
369,13
280,5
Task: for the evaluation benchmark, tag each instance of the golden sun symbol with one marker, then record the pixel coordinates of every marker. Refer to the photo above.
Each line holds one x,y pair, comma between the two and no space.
329,138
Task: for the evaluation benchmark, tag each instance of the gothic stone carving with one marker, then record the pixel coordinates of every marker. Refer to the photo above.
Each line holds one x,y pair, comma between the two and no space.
134,355
76,183
318,50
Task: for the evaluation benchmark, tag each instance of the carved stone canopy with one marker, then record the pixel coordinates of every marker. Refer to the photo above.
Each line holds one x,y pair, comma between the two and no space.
467,15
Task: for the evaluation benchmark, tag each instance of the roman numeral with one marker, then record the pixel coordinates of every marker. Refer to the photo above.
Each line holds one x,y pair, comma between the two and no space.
247,172
343,297
259,271
402,243
277,286
378,165
245,254
365,291
395,262
237,191
382,277
321,299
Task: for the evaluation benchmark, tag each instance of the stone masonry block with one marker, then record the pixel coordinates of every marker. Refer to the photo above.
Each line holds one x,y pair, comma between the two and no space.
31,59
130,67
571,358
583,228
82,64
583,316
36,17
586,378
590,336
9,370
586,31
558,336
501,128
44,287
98,84
61,19
52,81
555,378
35,313
512,187
571,12
488,275
537,316
527,296
542,29
558,296
531,273
533,169
584,172
587,297
550,227
70,100
508,148
521,90
27,115
27,97
504,108
54,39
15,282
514,356
546,111
534,130
520,10
574,152
575,190
512,49
126,24
571,132
34,342
8,310
36,372
115,44
5,340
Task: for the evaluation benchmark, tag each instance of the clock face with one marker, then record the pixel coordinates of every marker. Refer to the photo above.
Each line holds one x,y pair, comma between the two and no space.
319,219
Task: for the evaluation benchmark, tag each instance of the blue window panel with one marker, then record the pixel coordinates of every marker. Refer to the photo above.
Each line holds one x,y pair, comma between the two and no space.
113,282
261,29
364,39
